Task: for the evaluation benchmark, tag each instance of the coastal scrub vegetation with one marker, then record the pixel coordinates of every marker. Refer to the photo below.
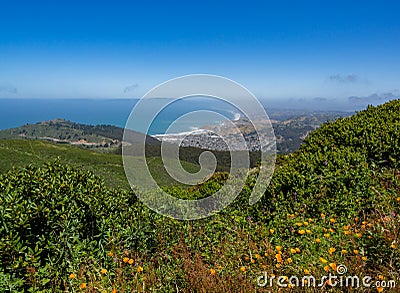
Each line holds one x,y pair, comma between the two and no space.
335,202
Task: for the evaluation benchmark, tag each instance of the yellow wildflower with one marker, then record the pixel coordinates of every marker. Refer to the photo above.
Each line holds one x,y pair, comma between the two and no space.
72,276
301,232
278,257
103,271
83,286
140,269
323,260
212,271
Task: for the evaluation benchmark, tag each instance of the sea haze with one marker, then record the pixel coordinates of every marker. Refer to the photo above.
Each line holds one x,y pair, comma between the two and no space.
17,112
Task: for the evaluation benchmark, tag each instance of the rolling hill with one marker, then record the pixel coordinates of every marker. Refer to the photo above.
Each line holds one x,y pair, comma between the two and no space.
20,153
332,207
64,131
290,130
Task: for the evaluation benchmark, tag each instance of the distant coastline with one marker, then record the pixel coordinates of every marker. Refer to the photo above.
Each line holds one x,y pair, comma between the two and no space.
195,131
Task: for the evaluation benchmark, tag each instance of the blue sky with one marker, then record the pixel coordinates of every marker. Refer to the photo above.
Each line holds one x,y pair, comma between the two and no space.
312,50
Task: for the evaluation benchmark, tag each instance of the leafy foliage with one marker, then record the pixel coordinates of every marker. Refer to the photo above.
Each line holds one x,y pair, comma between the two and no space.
335,201
55,215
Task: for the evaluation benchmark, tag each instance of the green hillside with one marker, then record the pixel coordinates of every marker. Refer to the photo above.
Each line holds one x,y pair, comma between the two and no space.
333,203
67,132
19,153
102,138
290,130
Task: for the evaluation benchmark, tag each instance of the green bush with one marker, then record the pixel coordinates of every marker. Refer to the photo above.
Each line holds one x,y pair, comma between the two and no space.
55,216
341,188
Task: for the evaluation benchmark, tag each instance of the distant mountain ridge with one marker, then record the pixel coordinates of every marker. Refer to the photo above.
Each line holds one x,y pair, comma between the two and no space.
64,131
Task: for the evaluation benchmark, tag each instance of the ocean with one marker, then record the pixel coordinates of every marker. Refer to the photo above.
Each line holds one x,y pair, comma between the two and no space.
17,112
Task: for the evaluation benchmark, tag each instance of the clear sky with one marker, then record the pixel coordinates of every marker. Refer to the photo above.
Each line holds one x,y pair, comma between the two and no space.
312,50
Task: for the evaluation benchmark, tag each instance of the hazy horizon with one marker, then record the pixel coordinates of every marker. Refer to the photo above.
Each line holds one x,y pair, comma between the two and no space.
18,112
350,104
278,50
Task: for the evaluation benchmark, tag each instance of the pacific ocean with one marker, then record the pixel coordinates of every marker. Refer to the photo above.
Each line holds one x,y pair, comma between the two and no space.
17,112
